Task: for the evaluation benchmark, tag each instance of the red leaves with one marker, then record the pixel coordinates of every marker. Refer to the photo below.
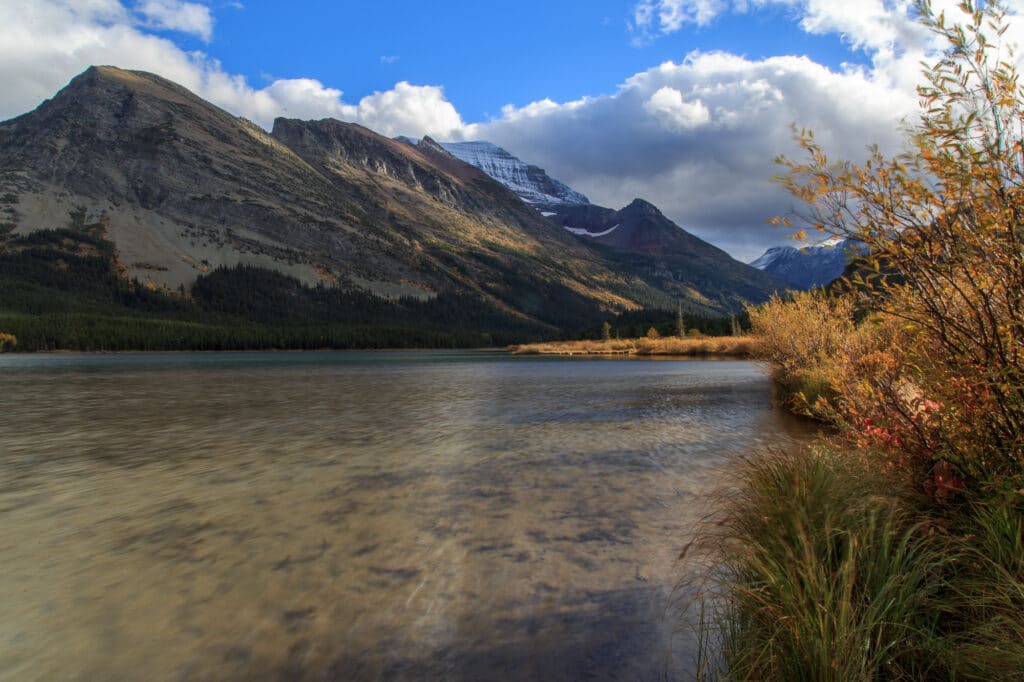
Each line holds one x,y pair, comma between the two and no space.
943,483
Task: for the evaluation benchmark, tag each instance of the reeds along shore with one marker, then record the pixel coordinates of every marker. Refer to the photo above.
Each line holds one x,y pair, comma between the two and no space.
724,346
820,566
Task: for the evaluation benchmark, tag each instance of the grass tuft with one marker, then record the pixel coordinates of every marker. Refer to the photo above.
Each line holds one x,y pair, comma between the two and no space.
986,631
823,572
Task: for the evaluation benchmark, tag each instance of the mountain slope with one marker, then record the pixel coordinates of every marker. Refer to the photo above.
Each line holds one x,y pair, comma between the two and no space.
808,267
642,239
184,185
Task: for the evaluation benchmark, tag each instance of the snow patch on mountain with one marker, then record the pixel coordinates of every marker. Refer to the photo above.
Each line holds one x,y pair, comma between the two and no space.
583,232
531,183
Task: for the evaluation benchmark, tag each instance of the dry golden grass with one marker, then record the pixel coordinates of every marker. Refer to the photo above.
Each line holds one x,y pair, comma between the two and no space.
726,346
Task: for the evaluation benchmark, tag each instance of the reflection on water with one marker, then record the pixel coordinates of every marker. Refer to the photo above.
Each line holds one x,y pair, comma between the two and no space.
348,516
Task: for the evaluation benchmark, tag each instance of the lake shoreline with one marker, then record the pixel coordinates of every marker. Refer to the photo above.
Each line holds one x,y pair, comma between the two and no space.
69,351
732,347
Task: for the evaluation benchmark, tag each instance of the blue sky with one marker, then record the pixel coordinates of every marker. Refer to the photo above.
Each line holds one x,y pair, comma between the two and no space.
484,54
684,103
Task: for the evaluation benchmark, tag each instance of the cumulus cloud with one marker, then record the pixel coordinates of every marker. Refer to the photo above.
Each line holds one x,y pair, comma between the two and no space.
698,138
47,42
660,17
176,15
408,108
865,22
884,29
667,105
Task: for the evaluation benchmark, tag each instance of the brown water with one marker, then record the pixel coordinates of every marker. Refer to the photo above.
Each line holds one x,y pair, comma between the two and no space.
357,516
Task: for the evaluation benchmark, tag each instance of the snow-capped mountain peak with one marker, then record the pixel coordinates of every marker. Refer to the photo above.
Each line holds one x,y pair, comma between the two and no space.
531,183
811,266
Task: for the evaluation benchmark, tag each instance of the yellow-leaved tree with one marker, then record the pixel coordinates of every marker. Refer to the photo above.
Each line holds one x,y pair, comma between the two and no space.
944,226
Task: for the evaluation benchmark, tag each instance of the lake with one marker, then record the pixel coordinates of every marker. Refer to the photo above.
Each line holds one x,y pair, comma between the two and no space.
359,516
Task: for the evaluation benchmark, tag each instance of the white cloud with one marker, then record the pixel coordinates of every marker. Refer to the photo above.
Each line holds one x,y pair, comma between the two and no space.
697,138
660,17
408,110
176,15
869,23
669,107
304,98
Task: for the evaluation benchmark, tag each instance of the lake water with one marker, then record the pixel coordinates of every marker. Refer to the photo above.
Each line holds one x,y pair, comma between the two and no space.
358,516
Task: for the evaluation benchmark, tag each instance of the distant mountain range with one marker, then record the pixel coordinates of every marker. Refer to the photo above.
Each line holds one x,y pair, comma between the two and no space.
638,238
641,228
188,196
811,266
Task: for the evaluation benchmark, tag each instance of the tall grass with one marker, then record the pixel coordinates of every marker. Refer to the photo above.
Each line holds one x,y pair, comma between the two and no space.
986,631
824,568
825,574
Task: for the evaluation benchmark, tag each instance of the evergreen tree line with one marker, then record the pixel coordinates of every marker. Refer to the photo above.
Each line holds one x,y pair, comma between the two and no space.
633,324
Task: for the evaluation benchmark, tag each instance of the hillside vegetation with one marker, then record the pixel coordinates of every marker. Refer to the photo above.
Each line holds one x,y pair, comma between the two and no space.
65,289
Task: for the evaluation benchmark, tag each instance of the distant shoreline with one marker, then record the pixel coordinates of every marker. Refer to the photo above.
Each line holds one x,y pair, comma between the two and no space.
740,347
709,346
178,351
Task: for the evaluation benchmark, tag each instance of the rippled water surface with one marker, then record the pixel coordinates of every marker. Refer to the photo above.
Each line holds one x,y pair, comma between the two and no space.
357,516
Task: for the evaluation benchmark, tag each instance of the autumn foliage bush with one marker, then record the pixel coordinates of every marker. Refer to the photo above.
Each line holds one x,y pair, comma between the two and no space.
940,375
896,551
803,340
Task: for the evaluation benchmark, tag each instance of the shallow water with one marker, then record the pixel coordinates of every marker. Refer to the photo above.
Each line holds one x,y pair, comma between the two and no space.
358,516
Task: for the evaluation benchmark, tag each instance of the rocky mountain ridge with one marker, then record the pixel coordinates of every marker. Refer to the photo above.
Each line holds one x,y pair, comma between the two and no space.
808,267
532,184
644,240
186,187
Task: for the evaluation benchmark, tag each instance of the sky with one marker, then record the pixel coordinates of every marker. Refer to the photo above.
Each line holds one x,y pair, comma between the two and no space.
685,103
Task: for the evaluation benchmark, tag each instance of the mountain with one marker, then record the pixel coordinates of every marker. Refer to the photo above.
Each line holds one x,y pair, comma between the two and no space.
127,196
638,238
531,183
809,267
182,188
643,240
